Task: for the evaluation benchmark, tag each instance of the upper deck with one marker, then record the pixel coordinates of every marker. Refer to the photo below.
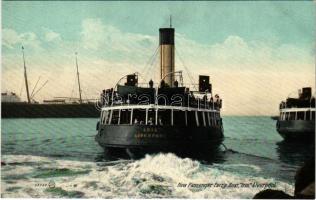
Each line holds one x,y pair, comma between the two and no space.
300,108
130,95
129,104
304,100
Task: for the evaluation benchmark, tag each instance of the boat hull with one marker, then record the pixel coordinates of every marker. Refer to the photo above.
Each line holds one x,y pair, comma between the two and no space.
24,110
158,138
299,130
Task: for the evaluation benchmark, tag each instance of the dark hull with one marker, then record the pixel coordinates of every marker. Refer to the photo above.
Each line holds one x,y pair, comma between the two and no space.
299,130
160,139
24,110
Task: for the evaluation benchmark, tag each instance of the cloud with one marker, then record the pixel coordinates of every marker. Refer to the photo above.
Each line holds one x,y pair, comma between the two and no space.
251,76
93,34
11,39
51,36
234,53
116,44
97,35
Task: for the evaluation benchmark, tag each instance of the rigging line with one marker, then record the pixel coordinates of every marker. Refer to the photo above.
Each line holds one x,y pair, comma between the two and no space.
156,66
150,59
187,70
22,84
156,72
154,62
152,66
35,86
73,86
40,88
147,74
191,79
149,66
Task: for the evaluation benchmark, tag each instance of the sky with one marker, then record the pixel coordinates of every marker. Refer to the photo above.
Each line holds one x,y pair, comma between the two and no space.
256,53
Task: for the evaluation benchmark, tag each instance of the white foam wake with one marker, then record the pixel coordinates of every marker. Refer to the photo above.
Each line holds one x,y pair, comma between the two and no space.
153,176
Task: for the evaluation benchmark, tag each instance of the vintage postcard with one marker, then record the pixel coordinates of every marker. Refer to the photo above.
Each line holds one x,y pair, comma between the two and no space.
158,99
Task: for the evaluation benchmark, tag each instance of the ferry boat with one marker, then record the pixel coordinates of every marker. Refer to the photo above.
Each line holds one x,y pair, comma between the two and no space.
163,117
297,117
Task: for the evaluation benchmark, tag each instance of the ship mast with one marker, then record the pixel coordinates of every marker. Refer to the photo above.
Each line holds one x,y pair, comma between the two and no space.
25,77
80,99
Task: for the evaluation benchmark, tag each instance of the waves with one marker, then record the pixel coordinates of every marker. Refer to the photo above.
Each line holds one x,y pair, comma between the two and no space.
154,176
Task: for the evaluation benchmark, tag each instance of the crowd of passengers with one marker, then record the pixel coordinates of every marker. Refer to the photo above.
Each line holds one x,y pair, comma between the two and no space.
297,103
205,102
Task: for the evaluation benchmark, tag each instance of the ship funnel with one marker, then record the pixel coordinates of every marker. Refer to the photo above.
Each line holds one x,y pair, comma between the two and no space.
166,43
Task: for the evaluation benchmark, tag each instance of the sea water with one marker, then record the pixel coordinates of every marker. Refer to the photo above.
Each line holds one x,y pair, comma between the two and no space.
60,158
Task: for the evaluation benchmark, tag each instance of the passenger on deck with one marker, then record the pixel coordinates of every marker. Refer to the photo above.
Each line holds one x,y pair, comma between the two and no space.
135,121
150,121
162,84
160,121
176,84
151,83
205,97
212,102
192,95
217,100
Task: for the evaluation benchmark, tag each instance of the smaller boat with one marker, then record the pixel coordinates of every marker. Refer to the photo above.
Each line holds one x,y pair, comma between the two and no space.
297,117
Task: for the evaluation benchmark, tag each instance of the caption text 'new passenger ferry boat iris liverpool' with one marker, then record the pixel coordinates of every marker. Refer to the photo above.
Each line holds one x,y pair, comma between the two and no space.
166,117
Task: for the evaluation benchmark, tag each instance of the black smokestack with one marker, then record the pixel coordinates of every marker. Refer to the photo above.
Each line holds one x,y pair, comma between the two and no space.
166,36
166,42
